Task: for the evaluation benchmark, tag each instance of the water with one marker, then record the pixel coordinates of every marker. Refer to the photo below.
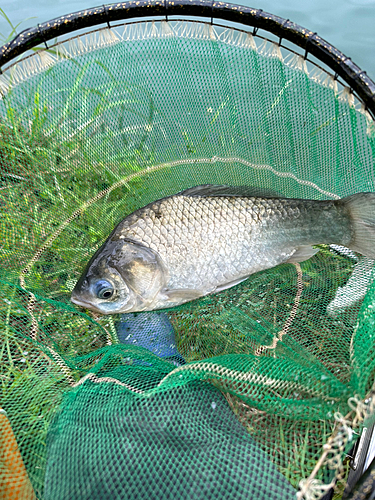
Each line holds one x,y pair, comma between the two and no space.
346,24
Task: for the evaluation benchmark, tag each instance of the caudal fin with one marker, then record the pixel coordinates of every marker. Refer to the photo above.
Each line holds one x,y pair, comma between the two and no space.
362,212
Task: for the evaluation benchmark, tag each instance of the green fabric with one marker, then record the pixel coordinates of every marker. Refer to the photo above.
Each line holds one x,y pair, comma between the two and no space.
150,447
95,135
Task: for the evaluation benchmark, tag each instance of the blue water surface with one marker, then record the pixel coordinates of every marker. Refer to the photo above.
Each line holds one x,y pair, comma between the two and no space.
347,24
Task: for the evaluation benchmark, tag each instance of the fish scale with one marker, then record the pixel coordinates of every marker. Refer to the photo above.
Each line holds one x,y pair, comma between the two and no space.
212,233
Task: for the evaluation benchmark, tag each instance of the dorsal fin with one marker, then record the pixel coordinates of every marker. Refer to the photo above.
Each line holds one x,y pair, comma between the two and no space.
206,190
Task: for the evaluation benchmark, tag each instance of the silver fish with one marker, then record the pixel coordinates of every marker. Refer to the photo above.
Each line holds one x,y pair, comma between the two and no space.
209,238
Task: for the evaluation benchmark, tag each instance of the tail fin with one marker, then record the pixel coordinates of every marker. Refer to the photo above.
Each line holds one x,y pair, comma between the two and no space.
361,208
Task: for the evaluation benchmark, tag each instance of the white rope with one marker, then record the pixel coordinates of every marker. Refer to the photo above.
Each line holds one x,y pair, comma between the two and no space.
106,380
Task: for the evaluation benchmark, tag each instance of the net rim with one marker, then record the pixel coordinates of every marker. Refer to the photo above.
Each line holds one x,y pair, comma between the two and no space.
309,41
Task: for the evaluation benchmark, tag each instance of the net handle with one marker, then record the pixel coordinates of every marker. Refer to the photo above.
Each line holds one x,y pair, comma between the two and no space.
309,41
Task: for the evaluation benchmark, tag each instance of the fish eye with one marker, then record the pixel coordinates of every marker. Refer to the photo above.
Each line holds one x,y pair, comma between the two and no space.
104,289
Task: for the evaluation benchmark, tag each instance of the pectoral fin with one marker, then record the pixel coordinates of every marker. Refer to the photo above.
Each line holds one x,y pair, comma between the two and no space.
179,296
302,253
230,284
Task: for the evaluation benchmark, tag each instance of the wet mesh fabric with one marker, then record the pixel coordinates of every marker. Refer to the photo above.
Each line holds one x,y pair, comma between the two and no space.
91,130
150,448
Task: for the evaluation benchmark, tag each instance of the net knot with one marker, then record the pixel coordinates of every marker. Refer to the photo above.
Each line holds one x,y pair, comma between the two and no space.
359,407
166,9
312,489
257,16
309,38
106,14
283,27
42,36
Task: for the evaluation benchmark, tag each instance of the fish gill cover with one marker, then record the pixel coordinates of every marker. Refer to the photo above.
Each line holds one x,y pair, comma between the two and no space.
276,375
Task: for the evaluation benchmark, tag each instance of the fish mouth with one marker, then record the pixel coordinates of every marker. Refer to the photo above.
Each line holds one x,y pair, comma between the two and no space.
80,302
87,305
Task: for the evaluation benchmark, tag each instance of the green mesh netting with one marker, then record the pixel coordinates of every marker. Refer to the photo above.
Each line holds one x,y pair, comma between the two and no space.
276,367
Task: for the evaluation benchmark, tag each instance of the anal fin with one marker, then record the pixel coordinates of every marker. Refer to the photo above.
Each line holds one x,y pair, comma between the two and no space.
302,253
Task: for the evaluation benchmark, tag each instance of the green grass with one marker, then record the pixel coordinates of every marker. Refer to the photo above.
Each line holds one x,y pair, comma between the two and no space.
12,31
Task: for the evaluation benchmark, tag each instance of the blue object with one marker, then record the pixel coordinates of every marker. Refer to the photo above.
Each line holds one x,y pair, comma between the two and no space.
151,330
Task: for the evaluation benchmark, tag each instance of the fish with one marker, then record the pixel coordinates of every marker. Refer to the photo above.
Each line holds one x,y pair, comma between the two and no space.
209,238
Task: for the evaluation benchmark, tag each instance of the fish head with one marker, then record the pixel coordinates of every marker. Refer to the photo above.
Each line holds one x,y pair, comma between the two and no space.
122,276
